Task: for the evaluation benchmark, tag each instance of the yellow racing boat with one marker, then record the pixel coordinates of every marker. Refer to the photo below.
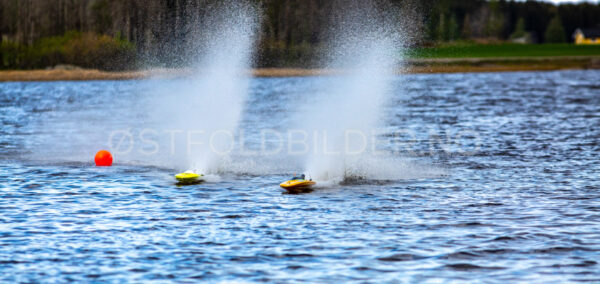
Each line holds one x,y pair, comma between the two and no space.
189,177
298,184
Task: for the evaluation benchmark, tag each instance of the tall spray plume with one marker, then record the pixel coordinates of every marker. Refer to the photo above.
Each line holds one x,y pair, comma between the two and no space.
365,47
202,112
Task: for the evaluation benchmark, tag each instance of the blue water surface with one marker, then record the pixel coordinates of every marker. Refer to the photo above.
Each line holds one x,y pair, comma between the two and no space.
518,200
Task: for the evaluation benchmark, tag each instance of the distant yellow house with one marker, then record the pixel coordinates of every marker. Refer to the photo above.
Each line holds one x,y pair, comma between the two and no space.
587,36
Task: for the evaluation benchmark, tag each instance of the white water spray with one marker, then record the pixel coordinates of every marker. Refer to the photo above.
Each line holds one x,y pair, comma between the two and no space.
367,48
203,111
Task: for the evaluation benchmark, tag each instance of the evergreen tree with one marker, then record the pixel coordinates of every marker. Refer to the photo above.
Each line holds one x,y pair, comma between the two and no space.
453,28
555,31
519,29
495,22
441,34
466,28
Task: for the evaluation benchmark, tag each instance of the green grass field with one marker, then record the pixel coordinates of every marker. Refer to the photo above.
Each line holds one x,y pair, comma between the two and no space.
467,50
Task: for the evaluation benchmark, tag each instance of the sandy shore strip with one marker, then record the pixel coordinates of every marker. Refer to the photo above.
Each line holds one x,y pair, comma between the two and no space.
454,65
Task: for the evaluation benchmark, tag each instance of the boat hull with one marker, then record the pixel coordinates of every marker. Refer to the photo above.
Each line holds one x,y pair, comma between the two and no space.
188,178
297,185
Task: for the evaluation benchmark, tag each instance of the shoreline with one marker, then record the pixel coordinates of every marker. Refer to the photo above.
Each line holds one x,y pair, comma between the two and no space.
412,66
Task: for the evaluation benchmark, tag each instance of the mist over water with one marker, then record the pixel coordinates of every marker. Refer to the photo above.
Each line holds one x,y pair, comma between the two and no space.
203,111
194,122
366,46
339,119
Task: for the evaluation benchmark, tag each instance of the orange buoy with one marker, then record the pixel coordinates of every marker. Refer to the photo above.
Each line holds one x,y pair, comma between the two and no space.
103,158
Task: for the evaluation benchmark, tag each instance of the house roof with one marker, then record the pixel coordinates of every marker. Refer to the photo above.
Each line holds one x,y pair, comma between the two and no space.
591,33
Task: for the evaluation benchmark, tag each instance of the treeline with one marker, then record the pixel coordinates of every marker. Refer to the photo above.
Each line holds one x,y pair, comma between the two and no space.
540,22
122,34
160,30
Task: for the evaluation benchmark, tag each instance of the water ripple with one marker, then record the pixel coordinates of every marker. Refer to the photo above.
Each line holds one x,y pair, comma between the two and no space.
522,208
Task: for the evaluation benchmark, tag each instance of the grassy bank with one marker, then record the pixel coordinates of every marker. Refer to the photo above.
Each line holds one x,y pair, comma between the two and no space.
87,50
441,59
471,50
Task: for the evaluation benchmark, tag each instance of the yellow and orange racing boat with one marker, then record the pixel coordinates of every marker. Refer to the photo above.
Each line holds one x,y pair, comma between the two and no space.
297,184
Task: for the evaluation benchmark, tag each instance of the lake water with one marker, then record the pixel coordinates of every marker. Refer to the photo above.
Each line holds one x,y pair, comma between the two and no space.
496,177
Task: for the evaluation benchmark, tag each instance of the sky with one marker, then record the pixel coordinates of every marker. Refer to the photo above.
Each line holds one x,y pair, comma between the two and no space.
567,1
571,1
